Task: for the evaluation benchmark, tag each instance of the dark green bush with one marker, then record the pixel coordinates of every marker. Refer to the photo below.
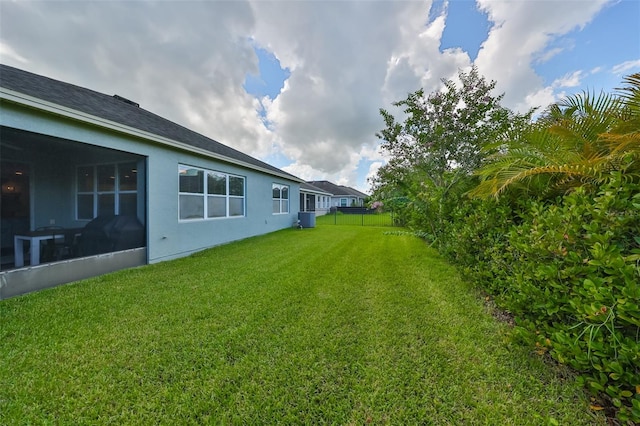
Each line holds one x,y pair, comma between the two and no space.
576,288
476,239
569,270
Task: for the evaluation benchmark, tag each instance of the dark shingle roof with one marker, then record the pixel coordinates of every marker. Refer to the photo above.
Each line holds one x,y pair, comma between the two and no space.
119,110
337,190
354,191
309,187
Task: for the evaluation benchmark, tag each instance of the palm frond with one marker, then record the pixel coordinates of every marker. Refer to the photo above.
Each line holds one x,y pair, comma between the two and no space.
577,142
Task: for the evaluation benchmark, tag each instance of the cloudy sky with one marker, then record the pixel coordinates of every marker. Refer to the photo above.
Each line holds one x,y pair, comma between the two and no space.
299,84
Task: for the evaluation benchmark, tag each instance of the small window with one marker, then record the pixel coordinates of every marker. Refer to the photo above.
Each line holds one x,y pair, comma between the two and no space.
191,180
85,179
280,198
106,189
106,204
128,177
85,206
216,206
191,206
216,183
106,178
128,204
236,196
236,206
236,186
217,194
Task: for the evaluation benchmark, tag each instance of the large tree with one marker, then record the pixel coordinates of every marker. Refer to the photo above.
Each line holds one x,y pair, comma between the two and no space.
441,142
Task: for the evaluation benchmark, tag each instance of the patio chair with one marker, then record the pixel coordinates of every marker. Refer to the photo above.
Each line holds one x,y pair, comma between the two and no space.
67,248
48,247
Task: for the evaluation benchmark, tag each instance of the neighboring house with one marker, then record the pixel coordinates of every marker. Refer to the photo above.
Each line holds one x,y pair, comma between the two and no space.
341,196
314,199
130,186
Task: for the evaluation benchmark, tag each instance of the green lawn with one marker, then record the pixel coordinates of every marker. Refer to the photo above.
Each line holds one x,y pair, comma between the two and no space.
340,325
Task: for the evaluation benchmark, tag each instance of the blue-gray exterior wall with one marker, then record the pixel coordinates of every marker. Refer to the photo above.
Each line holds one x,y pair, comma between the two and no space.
167,237
170,238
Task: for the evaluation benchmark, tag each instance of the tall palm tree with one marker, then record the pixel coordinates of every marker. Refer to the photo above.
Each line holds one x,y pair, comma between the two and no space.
578,141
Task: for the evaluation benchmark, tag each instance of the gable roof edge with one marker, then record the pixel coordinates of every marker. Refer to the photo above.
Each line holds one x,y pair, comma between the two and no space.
73,114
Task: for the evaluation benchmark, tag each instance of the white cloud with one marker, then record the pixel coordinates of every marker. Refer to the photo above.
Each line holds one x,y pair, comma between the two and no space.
303,171
417,62
339,62
625,67
569,80
7,52
546,56
541,98
521,33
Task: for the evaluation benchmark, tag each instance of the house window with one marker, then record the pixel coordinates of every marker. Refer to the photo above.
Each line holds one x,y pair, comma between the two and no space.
343,202
106,189
280,199
209,194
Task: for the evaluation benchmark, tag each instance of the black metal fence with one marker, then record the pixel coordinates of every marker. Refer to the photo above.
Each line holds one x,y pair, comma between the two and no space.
357,216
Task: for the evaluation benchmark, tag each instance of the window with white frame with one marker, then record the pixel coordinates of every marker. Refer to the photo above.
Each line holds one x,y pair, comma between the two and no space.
106,189
280,198
208,194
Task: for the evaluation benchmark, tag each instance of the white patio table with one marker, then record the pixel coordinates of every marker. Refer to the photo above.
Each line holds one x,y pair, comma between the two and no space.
34,237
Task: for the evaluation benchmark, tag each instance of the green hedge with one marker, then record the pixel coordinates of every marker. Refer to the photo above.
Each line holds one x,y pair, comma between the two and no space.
569,271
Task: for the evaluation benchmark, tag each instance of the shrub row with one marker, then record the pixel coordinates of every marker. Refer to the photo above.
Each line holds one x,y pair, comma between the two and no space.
569,271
